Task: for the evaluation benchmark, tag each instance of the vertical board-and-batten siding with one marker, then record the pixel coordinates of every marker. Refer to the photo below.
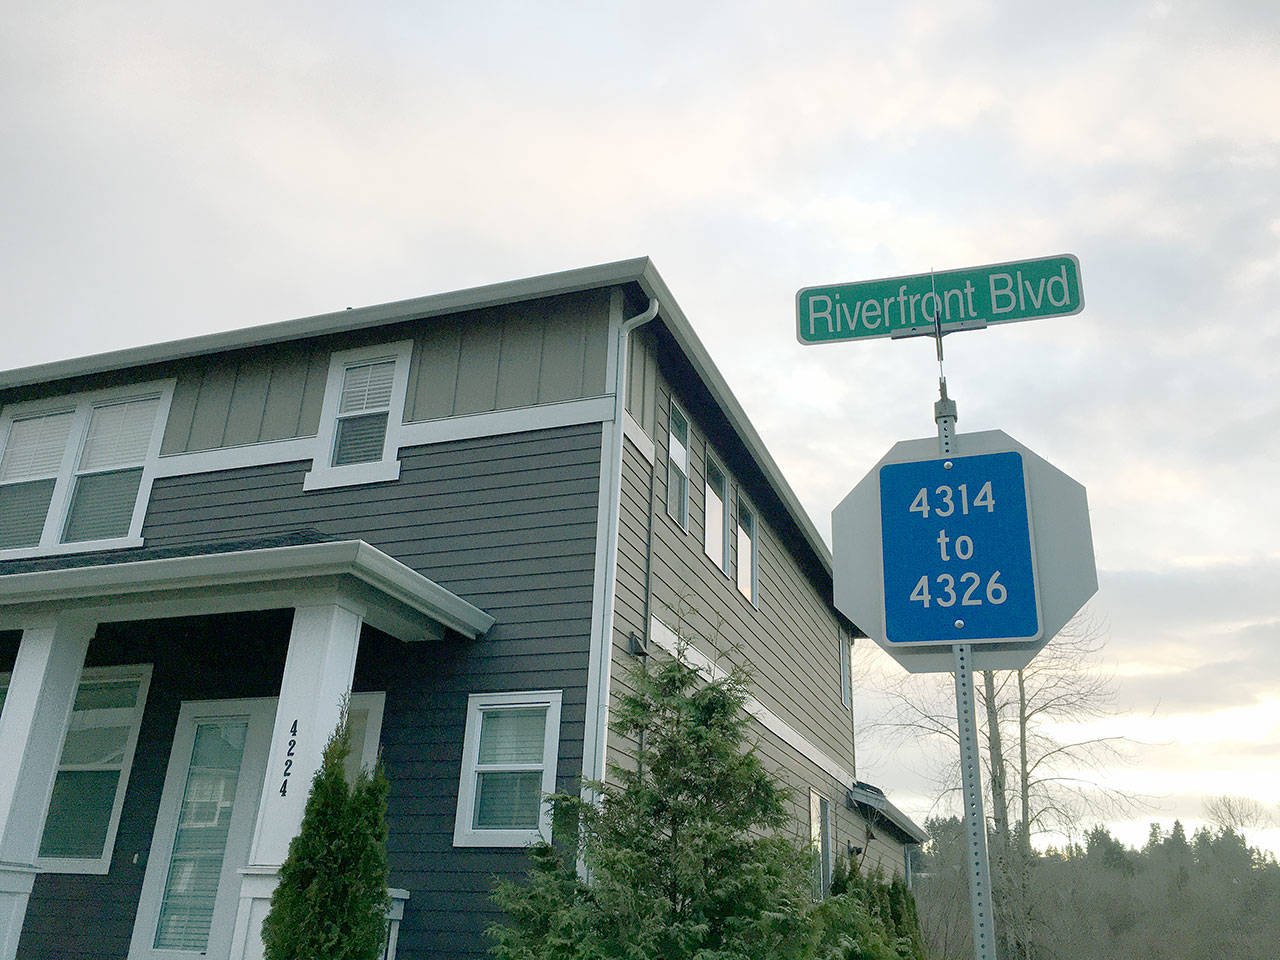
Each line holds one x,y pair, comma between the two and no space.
508,523
500,358
791,642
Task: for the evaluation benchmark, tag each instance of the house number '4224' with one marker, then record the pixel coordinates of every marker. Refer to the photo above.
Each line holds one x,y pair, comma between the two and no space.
288,759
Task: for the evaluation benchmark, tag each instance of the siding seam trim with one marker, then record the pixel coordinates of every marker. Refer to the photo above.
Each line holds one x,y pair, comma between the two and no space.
666,638
420,433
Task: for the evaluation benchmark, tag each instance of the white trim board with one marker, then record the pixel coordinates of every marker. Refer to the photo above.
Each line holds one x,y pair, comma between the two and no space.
666,638
566,413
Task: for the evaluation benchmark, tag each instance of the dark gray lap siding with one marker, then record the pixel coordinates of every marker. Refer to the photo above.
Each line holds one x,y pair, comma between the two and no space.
508,523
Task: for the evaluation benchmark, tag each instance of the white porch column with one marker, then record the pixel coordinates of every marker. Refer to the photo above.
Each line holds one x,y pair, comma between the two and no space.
318,671
33,725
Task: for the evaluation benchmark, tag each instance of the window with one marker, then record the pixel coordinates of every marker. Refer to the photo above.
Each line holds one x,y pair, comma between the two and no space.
361,416
746,552
88,791
75,472
820,835
678,467
846,669
716,529
508,767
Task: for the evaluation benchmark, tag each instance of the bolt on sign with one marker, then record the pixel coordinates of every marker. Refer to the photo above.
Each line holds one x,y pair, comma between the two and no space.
966,299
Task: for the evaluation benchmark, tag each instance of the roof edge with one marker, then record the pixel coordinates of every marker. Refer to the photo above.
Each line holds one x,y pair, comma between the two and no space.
338,321
680,327
303,562
873,799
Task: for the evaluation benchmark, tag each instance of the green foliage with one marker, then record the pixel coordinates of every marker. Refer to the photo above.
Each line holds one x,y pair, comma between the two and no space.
687,854
332,897
1210,897
867,918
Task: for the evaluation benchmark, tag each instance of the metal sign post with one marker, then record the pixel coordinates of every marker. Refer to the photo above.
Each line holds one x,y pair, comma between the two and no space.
968,552
977,862
977,865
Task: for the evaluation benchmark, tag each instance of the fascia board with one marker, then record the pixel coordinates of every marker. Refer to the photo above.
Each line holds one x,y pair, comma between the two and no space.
675,320
307,562
340,321
899,820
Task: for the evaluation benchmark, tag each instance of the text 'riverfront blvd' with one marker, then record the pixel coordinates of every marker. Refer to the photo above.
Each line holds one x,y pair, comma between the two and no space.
971,297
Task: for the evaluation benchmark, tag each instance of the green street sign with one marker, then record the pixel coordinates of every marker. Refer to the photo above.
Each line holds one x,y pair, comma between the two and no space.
968,299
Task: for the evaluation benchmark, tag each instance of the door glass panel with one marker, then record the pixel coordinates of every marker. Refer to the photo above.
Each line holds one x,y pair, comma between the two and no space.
191,888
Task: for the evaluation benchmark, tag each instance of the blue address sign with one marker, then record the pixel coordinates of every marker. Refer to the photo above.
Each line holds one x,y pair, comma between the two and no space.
958,564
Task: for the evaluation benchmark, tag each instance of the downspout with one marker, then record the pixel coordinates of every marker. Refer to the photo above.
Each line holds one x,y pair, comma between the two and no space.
602,654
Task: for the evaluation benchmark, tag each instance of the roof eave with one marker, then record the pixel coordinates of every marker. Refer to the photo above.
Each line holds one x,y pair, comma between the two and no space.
682,330
295,564
339,321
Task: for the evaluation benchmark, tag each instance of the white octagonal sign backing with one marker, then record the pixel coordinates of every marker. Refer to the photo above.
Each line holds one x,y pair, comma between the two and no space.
988,546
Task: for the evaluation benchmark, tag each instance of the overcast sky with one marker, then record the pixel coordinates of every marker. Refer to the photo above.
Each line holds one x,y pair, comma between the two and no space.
178,169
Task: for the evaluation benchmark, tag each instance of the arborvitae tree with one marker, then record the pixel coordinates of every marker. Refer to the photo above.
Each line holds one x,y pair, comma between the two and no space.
687,852
332,898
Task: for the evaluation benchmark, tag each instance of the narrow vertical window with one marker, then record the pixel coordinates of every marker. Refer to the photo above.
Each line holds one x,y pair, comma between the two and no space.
820,836
716,530
678,467
746,552
846,669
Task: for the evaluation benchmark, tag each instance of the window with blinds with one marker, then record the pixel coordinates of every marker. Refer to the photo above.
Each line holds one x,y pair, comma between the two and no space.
361,417
72,470
109,471
508,769
204,820
33,453
93,770
363,409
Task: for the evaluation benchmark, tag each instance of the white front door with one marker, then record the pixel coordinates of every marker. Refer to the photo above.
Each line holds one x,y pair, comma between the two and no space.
204,827
203,830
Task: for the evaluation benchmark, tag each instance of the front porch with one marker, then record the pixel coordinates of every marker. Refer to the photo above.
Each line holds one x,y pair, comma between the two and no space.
207,684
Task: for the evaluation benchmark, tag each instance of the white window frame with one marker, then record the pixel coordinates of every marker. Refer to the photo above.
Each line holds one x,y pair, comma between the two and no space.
821,828
81,407
722,560
678,459
141,672
753,571
323,475
465,834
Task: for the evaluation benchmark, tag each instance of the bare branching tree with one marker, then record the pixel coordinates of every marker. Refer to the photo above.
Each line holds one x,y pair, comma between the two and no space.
1237,813
1036,781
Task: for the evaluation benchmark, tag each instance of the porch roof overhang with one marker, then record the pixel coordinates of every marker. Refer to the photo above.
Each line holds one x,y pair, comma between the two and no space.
871,802
393,597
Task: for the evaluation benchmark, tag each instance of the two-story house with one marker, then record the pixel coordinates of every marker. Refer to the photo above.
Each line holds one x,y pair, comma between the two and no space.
469,511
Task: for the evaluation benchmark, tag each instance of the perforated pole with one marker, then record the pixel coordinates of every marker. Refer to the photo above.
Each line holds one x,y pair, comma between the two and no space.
975,826
977,863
